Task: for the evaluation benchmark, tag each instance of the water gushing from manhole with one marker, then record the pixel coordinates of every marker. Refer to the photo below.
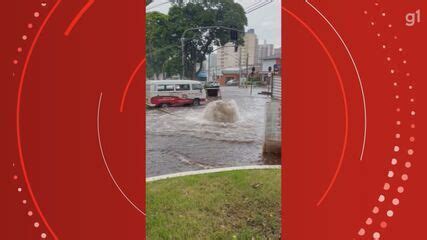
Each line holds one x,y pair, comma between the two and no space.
222,111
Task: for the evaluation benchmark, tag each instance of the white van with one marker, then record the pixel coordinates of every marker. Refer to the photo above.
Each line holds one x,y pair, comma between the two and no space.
165,93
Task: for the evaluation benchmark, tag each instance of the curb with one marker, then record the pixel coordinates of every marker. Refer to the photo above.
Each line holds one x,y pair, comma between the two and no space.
216,170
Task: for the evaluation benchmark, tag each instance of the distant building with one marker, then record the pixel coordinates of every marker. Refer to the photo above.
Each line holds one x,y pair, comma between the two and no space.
277,52
213,60
250,48
265,50
273,61
228,58
214,68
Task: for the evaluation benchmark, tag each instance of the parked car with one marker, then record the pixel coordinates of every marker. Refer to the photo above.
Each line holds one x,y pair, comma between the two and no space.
232,82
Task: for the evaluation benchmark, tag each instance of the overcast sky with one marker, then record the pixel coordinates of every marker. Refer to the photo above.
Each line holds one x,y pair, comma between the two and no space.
266,21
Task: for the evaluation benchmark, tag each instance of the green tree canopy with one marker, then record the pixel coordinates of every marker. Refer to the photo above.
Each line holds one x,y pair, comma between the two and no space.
202,13
165,31
159,48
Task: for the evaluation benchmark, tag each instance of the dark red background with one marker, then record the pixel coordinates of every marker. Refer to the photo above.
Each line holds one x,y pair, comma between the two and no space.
67,74
314,120
58,120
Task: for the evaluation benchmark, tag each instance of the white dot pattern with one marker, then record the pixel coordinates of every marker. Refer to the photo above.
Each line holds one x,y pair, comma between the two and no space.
397,171
17,62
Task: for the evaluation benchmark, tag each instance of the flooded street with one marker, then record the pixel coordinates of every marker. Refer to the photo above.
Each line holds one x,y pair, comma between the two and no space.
185,138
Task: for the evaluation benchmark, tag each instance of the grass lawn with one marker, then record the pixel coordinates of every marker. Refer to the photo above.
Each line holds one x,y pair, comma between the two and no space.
229,205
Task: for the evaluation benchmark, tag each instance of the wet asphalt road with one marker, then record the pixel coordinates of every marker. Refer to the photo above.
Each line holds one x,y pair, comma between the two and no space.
184,141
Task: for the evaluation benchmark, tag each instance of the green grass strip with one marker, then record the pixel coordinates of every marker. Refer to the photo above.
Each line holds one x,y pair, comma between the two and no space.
242,204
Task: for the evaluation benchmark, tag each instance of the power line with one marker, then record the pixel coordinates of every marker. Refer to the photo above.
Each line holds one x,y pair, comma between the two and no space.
258,6
148,8
253,4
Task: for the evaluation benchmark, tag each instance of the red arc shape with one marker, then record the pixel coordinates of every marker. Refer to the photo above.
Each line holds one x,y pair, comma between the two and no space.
18,118
78,17
132,77
344,95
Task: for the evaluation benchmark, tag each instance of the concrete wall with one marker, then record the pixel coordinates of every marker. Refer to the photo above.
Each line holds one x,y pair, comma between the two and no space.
277,88
273,133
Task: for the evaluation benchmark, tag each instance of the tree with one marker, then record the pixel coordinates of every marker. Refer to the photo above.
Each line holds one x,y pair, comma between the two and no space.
158,48
202,13
163,34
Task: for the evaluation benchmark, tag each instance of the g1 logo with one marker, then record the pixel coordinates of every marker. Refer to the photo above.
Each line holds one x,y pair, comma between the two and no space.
412,18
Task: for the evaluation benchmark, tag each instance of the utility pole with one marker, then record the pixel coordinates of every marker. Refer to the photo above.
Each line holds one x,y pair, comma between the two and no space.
240,66
209,67
252,76
247,66
272,79
183,57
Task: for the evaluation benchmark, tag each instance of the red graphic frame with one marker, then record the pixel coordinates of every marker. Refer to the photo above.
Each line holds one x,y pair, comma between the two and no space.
74,145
